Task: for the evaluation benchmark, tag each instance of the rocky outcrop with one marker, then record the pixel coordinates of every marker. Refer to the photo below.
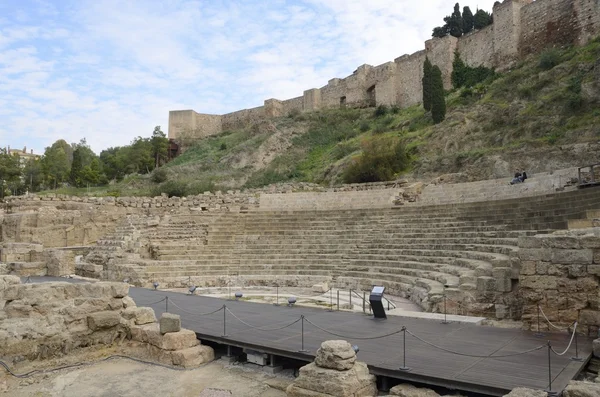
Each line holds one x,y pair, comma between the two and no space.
582,389
335,372
408,390
524,392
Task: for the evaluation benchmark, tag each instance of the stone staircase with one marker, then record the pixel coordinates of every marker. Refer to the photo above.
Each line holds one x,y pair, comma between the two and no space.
467,251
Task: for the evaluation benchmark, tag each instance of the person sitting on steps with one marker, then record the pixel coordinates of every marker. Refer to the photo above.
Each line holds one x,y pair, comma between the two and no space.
519,177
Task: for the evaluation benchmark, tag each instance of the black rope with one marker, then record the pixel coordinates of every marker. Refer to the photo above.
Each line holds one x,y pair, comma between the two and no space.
353,337
87,363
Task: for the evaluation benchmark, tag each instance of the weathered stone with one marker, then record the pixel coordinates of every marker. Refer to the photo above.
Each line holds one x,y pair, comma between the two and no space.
128,302
582,389
538,282
315,381
530,242
569,257
179,340
535,254
322,287
528,268
119,290
408,390
144,315
193,356
524,392
103,320
561,242
169,322
335,354
596,347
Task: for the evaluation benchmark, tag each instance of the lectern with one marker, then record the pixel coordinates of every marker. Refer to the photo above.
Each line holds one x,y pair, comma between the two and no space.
376,301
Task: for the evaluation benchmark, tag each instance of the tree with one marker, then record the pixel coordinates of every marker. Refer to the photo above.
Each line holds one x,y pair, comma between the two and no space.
82,157
455,22
32,174
426,82
481,19
468,20
438,100
160,146
55,163
440,31
10,172
459,71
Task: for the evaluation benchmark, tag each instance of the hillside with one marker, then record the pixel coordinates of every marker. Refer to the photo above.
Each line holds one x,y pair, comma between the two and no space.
542,115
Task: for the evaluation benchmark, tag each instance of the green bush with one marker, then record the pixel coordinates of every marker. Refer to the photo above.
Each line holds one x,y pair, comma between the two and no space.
381,160
549,59
364,126
395,109
159,175
381,110
223,146
171,188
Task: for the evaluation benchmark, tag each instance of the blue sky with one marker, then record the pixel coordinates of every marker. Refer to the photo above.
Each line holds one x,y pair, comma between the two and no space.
110,70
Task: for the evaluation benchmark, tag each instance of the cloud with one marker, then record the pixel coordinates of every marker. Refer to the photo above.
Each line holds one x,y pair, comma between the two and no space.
110,71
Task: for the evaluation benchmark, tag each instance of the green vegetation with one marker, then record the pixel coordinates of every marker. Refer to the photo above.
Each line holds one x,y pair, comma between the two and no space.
438,97
426,84
467,76
458,24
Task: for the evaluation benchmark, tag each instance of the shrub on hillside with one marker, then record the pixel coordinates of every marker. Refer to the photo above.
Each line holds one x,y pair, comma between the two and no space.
381,110
171,188
381,160
549,59
159,175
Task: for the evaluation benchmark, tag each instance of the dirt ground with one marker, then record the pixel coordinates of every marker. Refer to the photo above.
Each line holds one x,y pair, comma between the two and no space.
123,377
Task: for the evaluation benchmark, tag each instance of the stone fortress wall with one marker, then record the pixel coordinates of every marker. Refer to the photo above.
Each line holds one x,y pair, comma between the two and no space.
520,28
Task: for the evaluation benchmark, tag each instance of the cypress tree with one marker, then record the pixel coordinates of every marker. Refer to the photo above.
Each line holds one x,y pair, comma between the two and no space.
481,19
455,22
426,81
459,71
468,20
438,100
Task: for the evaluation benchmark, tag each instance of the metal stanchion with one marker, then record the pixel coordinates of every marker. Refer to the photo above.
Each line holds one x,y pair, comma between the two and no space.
224,322
549,391
330,300
167,304
404,367
302,349
338,299
445,312
576,358
350,299
277,294
364,309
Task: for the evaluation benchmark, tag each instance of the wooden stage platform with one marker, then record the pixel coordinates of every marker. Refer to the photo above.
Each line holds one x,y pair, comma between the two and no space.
433,360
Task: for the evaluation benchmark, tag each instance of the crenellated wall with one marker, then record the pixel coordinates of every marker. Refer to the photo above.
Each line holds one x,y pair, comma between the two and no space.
520,28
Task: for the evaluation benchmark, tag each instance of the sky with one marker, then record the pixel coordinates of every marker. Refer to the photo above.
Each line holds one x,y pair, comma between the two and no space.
110,70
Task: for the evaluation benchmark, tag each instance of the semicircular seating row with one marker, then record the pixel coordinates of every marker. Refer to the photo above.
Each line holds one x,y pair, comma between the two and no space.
418,252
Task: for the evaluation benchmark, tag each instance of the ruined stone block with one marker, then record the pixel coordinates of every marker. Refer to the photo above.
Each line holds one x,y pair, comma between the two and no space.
535,254
193,356
144,315
530,242
572,256
170,323
183,339
103,320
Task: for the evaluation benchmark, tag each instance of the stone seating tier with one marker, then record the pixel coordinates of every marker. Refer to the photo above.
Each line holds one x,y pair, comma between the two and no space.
418,252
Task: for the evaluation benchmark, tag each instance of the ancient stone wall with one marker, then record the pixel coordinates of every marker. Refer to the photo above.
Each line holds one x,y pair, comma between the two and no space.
186,125
39,321
242,117
329,200
520,27
409,73
477,48
560,272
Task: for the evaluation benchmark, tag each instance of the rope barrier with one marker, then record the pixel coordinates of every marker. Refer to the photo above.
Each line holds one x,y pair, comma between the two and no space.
353,337
196,314
261,328
86,363
475,355
570,342
550,322
150,304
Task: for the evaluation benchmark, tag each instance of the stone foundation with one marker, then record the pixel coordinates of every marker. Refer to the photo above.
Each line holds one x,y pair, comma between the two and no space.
560,273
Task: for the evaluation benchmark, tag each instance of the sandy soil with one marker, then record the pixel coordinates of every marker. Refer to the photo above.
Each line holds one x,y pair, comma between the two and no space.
122,377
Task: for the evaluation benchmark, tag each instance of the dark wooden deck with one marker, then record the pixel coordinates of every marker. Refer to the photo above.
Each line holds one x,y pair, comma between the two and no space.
428,364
